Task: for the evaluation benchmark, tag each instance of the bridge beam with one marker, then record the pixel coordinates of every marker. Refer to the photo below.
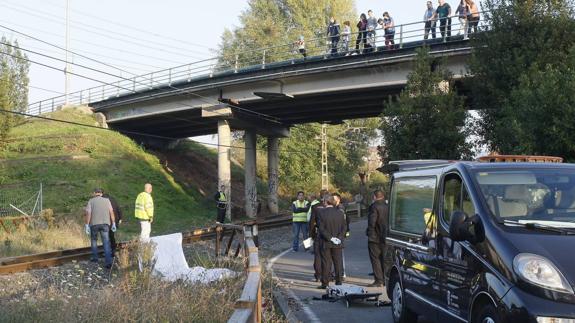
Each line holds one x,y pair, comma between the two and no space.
273,163
224,169
251,198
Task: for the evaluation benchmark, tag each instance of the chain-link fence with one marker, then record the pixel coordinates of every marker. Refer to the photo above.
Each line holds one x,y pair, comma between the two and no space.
20,199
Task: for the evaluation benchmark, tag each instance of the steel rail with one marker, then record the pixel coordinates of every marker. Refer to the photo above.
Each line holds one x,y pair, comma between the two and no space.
17,264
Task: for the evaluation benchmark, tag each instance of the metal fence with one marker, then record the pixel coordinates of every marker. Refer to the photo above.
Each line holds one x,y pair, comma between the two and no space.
409,35
23,199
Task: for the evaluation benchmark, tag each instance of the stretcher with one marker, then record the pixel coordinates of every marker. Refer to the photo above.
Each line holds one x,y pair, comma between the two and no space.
351,294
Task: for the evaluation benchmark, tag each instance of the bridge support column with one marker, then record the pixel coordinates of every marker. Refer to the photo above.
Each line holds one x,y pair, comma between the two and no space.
224,169
250,174
273,162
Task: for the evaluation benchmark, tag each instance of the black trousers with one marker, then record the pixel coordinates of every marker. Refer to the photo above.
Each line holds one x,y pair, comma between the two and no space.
329,256
361,38
376,253
429,25
317,253
445,28
221,215
113,240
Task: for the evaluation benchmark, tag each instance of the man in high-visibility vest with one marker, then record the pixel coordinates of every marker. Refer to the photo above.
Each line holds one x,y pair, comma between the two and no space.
222,204
299,210
144,211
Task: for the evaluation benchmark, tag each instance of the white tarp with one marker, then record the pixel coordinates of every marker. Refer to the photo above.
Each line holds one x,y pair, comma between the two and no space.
171,263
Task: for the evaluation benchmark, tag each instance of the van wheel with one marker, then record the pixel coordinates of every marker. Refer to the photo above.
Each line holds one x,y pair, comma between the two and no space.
399,310
486,314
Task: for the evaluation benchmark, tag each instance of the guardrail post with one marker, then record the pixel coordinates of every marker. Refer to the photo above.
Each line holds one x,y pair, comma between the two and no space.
134,84
118,89
400,36
103,92
52,105
81,97
236,65
40,108
264,60
152,80
169,77
89,95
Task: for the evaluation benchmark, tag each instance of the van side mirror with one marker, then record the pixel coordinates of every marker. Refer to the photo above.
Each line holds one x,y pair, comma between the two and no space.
459,228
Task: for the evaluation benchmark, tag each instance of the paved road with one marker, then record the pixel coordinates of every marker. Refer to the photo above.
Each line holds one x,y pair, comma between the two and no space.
295,270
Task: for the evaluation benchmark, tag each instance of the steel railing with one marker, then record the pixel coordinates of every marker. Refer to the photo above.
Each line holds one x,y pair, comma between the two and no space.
409,35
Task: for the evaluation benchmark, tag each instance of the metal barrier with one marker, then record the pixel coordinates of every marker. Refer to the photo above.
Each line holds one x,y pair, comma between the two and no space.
409,35
248,308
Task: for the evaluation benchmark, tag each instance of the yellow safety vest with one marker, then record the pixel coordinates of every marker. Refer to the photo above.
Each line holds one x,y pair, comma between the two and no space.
313,203
300,216
144,209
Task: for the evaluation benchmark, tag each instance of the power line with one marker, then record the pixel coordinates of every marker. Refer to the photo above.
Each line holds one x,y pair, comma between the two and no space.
146,32
106,33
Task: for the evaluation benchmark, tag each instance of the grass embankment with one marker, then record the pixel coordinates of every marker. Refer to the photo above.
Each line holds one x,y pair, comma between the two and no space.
70,161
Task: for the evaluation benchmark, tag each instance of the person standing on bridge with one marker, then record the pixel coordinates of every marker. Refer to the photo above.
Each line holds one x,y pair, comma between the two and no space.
333,31
473,16
371,27
144,211
221,204
299,209
361,33
443,13
376,233
331,230
389,28
346,36
429,22
300,43
99,216
462,12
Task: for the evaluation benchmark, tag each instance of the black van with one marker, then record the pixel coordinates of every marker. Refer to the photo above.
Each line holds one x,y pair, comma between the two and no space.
481,242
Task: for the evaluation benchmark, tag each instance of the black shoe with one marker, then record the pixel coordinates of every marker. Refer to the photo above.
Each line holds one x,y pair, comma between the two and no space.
321,287
375,284
338,283
109,266
370,274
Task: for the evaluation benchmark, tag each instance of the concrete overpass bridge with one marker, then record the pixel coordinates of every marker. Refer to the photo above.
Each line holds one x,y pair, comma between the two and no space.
261,99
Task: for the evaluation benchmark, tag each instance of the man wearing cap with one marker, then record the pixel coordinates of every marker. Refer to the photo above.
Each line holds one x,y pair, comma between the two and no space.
100,219
144,211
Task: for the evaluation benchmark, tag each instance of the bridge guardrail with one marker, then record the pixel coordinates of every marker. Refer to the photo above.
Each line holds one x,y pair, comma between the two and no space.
406,36
248,308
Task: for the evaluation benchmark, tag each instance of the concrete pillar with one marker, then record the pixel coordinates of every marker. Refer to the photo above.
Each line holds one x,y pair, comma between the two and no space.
224,169
273,163
250,174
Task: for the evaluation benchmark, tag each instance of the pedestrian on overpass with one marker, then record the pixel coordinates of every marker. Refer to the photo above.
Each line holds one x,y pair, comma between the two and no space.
221,204
331,230
376,233
371,27
443,13
100,219
118,218
333,34
299,207
313,213
361,33
429,21
144,211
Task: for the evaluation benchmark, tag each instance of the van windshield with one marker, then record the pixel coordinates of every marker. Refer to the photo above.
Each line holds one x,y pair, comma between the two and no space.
545,196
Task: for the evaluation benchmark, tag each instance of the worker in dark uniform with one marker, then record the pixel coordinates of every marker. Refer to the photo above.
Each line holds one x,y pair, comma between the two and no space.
376,232
341,207
222,204
314,213
118,216
331,230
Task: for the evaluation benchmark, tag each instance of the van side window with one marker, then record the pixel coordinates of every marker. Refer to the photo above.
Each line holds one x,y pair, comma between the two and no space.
455,197
409,197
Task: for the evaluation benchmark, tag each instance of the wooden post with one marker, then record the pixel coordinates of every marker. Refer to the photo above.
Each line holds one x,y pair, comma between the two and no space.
230,242
218,240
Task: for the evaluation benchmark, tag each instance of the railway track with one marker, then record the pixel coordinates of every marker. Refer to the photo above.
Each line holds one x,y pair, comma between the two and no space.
12,265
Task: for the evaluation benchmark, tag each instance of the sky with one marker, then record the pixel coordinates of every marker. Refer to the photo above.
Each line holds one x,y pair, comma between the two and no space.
134,36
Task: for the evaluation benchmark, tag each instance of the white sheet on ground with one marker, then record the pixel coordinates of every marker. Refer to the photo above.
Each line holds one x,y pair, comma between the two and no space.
171,263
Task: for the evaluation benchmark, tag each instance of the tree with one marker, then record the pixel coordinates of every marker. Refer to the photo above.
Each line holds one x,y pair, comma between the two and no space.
523,77
276,25
428,120
13,84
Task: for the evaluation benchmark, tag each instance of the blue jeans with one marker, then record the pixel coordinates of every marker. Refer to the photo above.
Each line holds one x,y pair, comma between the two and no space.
296,228
104,230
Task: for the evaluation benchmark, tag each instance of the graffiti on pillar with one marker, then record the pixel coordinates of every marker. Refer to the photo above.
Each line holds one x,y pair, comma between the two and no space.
272,191
251,201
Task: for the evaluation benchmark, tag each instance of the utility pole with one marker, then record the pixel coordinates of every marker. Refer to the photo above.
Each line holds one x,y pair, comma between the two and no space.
67,68
324,174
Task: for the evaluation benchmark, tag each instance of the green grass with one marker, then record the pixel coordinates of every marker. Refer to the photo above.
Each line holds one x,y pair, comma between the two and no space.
114,162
